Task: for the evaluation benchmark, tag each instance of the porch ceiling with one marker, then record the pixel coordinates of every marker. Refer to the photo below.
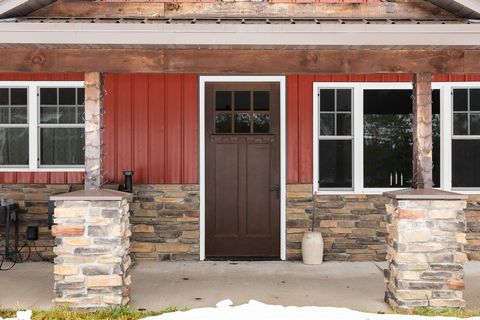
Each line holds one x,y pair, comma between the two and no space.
246,33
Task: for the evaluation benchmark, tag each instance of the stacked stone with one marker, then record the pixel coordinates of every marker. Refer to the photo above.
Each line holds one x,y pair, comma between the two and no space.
472,215
425,252
33,202
92,247
165,219
353,226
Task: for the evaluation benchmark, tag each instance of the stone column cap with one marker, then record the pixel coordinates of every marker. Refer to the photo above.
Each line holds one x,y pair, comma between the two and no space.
424,194
102,194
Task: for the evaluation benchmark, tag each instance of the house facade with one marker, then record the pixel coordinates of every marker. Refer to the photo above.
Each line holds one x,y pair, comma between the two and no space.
244,123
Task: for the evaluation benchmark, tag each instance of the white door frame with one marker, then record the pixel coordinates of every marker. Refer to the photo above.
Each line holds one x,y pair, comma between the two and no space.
283,187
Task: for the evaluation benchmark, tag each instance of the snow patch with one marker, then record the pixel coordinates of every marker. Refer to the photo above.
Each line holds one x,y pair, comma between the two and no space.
256,310
21,315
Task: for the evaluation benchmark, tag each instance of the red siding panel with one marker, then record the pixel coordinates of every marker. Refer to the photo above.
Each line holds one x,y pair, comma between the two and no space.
300,118
190,129
157,128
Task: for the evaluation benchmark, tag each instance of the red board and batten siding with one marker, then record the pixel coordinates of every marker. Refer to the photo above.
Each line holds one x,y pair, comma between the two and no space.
151,126
300,117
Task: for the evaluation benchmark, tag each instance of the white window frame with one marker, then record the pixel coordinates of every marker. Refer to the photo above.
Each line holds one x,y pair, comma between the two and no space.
446,129
34,128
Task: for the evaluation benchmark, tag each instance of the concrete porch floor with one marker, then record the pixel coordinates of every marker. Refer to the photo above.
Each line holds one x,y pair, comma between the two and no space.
355,285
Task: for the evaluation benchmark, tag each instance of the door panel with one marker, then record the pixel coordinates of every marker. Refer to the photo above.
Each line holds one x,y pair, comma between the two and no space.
242,169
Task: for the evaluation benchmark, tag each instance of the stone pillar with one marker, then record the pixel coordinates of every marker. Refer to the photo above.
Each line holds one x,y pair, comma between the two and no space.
425,249
92,246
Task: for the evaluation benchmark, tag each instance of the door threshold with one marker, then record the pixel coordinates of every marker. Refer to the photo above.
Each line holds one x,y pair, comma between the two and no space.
242,258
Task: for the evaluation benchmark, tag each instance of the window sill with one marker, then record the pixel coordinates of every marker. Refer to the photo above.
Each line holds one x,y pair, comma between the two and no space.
380,191
45,169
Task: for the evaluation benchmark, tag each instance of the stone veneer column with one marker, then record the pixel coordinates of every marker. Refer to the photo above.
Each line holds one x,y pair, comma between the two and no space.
92,246
425,249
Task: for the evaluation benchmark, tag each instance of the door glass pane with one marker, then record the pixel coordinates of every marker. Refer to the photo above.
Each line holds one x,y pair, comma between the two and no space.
460,123
344,124
327,124
242,123
344,99
327,100
48,96
223,100
18,96
62,146
261,122
242,100
460,99
388,122
66,96
261,100
13,146
335,163
465,160
223,123
474,99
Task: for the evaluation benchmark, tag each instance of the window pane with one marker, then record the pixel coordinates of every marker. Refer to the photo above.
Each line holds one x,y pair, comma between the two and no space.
460,99
80,96
223,123
344,124
475,124
223,100
261,122
344,100
474,99
335,163
48,96
261,100
18,96
465,160
67,115
388,121
80,115
18,115
242,123
460,123
327,100
327,124
242,100
13,146
48,115
62,146
66,96
4,115
4,97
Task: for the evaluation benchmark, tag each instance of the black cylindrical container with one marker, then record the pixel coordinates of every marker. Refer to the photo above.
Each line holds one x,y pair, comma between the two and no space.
128,181
3,214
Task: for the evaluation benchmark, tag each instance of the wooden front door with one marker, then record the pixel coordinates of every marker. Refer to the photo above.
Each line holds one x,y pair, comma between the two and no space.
242,170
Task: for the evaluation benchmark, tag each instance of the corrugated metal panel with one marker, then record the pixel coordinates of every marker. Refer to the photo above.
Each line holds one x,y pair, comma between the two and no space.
151,127
40,177
299,114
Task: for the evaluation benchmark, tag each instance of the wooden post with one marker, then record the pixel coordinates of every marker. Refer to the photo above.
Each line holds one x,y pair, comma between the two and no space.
93,130
422,177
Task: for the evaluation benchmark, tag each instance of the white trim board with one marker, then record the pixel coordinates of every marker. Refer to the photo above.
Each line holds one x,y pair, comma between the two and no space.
446,136
283,150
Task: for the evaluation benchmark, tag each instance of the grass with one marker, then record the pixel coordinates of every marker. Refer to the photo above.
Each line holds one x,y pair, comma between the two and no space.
118,313
446,312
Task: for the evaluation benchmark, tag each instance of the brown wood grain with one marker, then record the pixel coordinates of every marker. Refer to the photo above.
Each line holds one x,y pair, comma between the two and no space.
422,174
392,10
236,61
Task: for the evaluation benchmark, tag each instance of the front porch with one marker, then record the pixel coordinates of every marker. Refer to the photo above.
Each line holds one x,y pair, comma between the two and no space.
354,285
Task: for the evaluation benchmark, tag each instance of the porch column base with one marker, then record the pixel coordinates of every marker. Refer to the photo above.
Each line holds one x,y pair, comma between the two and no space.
92,246
425,249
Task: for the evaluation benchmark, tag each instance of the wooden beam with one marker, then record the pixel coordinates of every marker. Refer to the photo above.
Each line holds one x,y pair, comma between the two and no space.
236,61
93,130
391,10
422,176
